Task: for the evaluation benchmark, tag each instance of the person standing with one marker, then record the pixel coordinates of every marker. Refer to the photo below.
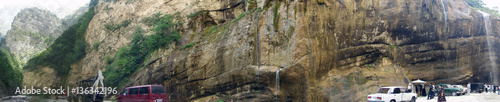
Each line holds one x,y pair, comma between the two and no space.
495,88
431,92
489,88
468,88
486,88
434,90
419,88
424,93
441,97
416,89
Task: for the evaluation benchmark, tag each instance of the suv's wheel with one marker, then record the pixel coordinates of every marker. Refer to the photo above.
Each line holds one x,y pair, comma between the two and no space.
393,100
454,93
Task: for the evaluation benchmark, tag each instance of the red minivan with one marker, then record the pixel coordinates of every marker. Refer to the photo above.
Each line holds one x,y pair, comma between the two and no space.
145,93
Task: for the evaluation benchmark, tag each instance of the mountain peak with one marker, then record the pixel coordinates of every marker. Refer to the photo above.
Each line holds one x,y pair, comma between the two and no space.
37,20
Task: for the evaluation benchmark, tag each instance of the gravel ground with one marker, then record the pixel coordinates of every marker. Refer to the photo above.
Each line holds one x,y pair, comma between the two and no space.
48,100
473,97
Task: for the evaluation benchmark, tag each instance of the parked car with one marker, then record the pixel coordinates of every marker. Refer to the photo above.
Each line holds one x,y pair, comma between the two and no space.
145,93
449,90
392,94
476,87
461,89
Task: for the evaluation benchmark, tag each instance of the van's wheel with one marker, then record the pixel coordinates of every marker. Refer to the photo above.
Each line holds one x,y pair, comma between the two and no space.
413,99
454,93
393,100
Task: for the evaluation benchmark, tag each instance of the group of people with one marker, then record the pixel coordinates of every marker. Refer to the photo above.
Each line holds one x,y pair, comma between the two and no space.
490,88
440,92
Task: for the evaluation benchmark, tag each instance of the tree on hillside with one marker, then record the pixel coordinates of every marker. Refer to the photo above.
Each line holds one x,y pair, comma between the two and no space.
480,5
476,3
11,76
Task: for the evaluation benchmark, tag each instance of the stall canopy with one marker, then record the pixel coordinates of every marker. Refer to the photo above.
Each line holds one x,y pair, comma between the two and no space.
418,81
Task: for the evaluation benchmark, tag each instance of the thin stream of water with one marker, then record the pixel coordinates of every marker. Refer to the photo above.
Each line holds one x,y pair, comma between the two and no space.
445,14
491,53
445,37
278,83
258,43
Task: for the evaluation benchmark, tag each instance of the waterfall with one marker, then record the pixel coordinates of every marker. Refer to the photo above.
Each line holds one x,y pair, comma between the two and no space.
491,53
443,37
445,14
258,42
404,74
278,82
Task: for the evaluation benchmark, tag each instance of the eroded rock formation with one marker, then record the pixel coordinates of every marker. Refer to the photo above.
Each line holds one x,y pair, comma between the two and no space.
330,50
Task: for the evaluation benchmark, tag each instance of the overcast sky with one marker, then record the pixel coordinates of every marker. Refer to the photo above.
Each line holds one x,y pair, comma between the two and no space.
47,4
492,3
10,8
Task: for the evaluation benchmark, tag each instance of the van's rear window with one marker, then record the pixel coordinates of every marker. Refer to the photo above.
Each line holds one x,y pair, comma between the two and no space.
134,91
157,89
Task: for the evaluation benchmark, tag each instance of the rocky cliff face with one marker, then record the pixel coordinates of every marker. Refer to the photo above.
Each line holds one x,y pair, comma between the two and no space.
330,50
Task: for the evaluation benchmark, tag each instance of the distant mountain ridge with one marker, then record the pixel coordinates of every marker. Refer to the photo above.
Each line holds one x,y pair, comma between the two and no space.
1,38
61,8
33,30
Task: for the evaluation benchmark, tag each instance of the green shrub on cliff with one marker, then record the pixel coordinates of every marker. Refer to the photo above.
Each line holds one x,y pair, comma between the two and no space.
130,59
476,3
193,15
113,27
114,1
187,46
68,48
480,5
152,20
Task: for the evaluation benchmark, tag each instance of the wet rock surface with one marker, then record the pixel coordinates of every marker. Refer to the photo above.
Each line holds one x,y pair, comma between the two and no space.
330,50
